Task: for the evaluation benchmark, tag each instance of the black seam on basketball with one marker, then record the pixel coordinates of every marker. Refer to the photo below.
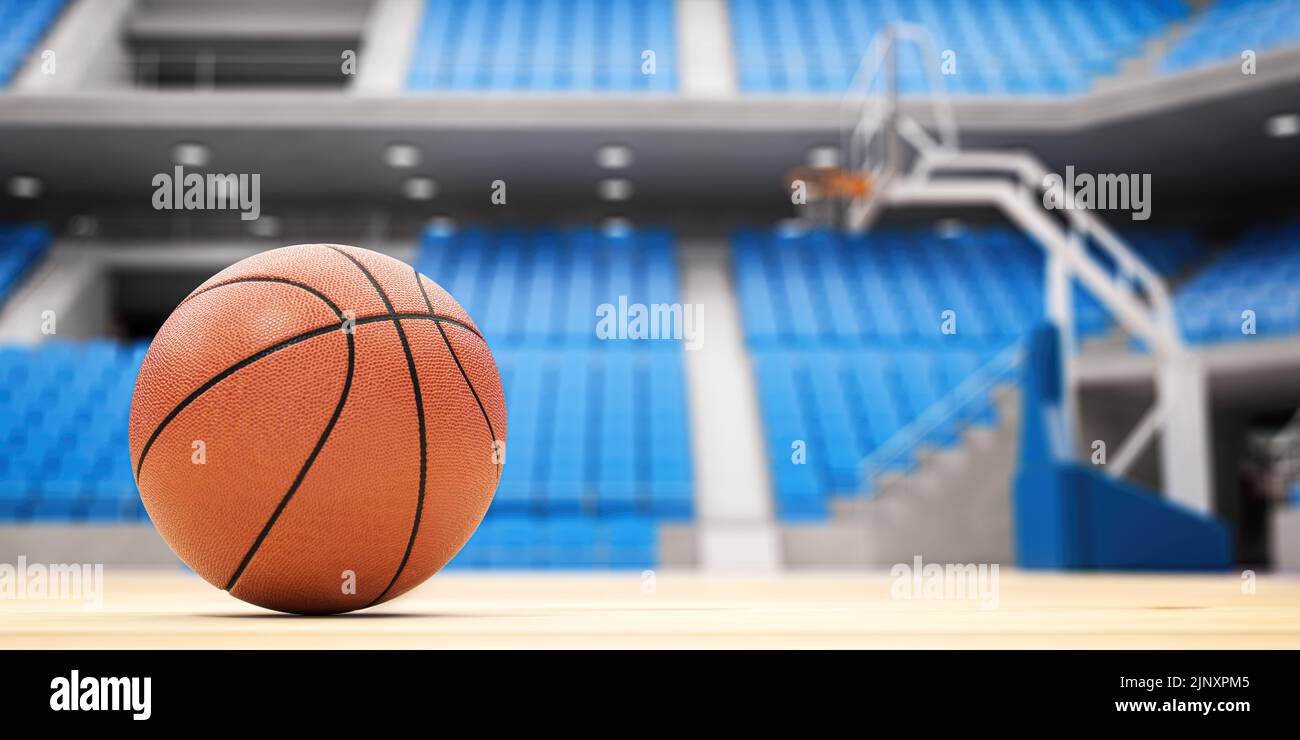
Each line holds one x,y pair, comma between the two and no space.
492,435
425,317
283,281
319,331
263,353
243,363
306,466
374,283
419,411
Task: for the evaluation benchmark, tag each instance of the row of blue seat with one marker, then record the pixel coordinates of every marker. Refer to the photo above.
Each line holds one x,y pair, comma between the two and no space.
545,46
544,287
1260,274
120,504
501,542
63,430
1230,27
560,543
893,288
28,395
23,23
20,247
588,423
1002,47
600,432
821,286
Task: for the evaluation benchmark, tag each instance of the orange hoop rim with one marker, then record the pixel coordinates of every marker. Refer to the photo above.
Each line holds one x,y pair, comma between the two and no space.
831,182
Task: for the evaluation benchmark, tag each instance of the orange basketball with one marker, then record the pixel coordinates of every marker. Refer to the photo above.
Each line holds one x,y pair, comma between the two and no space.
317,429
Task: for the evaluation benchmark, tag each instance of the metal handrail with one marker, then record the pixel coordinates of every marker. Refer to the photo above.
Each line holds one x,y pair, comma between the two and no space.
973,388
1032,174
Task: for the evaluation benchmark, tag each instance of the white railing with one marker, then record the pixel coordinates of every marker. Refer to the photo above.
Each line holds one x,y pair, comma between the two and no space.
1029,172
975,388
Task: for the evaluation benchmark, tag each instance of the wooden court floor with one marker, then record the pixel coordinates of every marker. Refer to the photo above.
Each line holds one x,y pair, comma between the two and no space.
152,610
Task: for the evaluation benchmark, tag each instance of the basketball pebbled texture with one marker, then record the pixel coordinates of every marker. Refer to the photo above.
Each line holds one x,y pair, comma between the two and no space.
315,429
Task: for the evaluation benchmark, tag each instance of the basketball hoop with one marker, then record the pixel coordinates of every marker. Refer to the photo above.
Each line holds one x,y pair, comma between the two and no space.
879,140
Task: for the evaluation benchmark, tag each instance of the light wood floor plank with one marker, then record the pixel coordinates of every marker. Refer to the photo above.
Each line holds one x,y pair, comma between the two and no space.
150,610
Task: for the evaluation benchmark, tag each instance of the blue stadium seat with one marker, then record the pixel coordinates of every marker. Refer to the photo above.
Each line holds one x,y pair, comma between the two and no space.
1261,274
561,46
63,455
629,542
507,542
512,543
570,543
1002,47
1230,27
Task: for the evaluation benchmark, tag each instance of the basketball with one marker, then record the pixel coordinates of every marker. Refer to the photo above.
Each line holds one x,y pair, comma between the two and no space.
317,429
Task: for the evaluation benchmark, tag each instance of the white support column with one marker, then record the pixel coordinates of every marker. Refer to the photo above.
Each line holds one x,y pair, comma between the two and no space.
705,57
388,42
733,493
70,288
87,50
1185,460
1060,311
